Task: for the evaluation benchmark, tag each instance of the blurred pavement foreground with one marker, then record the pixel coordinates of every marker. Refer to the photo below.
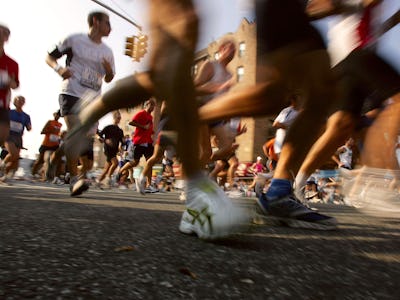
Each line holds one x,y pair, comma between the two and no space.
118,244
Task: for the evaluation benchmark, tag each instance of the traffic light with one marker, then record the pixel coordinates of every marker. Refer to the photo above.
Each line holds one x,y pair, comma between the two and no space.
140,47
129,45
136,46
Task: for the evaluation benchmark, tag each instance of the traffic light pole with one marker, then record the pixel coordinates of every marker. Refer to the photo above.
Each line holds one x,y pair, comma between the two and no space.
118,14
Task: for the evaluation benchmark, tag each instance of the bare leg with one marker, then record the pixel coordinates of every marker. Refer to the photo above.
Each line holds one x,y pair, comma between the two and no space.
38,163
339,127
233,165
72,158
226,141
173,55
126,168
86,165
219,167
106,169
12,158
46,163
127,92
205,144
381,138
113,166
157,155
260,99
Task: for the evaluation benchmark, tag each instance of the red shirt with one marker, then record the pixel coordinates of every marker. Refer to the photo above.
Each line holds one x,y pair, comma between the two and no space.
52,133
8,68
140,135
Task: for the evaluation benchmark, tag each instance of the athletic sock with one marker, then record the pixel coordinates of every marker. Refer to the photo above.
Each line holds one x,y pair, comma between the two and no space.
279,188
301,180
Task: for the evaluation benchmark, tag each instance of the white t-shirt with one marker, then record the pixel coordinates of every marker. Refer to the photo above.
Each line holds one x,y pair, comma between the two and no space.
286,117
343,37
346,157
86,64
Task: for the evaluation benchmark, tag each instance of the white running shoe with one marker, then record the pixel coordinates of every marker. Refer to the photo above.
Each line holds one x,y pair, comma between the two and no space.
142,181
182,196
210,214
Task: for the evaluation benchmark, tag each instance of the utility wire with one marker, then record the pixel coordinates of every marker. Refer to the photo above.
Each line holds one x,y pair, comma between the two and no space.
118,14
122,10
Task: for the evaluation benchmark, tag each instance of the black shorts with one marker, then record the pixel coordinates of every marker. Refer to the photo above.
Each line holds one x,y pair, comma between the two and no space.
43,149
110,152
138,151
67,103
365,80
4,116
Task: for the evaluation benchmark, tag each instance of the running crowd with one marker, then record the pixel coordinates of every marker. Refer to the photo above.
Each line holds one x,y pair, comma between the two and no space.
336,102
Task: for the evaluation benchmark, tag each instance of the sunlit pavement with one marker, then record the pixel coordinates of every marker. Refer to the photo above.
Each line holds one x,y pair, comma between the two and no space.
118,244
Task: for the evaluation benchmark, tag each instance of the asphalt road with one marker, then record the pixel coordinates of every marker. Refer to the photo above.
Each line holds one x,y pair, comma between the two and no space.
118,244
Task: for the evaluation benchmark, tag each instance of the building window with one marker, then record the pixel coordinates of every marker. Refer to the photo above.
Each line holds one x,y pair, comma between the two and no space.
239,74
242,49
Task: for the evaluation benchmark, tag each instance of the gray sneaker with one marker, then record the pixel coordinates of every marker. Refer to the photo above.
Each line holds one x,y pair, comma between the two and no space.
151,189
141,183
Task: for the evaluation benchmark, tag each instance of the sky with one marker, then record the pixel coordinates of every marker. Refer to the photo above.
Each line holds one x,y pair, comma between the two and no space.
37,25
40,24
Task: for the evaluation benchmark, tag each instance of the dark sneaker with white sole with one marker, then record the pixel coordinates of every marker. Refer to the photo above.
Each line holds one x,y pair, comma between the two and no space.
289,211
77,187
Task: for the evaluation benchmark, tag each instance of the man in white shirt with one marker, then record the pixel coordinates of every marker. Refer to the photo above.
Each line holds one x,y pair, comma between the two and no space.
283,121
89,62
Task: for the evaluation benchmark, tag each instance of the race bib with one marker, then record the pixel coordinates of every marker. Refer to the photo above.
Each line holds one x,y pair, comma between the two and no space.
54,138
4,79
91,79
16,126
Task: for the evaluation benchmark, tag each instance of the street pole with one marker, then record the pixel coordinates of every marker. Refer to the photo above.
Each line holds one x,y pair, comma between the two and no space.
118,14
